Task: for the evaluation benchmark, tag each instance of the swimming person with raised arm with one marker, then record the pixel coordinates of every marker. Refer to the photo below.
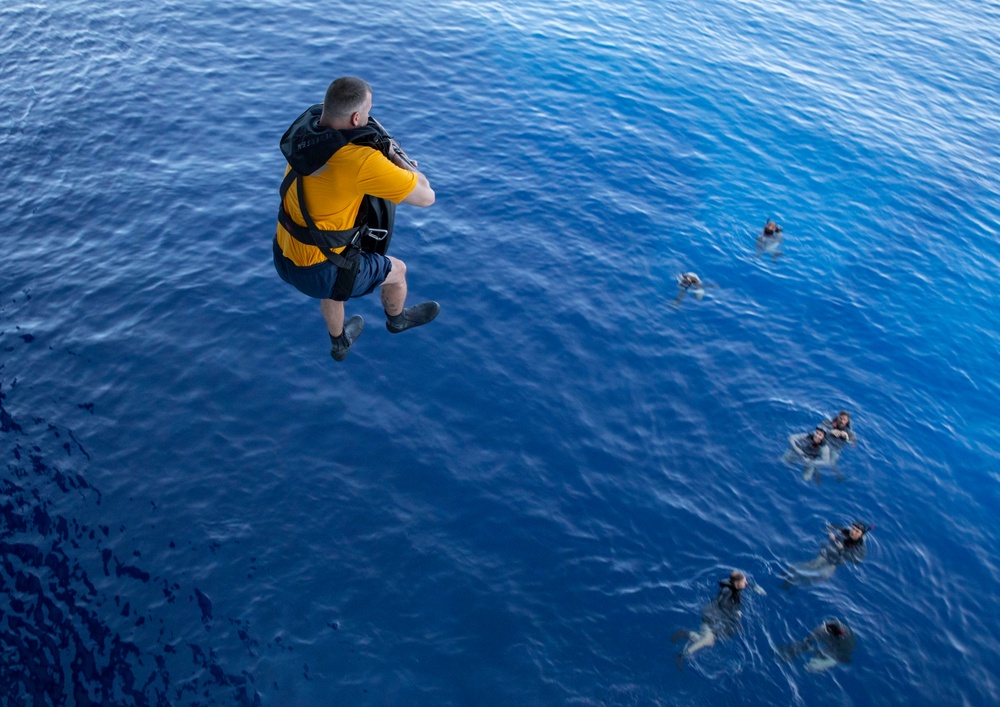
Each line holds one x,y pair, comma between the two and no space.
720,618
690,282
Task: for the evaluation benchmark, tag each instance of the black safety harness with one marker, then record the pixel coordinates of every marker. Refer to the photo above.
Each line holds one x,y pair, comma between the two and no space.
372,228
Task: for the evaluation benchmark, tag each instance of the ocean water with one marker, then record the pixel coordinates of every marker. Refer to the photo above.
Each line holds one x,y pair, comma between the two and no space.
521,503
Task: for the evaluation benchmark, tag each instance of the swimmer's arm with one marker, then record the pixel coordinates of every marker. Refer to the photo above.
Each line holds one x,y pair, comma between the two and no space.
797,441
833,431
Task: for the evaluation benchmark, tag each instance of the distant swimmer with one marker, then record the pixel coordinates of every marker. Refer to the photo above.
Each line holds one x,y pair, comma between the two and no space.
352,174
811,449
830,643
839,434
844,545
770,240
689,281
720,618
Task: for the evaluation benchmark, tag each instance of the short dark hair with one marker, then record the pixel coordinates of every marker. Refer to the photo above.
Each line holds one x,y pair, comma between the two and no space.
345,96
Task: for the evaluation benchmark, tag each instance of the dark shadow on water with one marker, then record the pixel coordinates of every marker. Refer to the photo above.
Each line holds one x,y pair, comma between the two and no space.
66,638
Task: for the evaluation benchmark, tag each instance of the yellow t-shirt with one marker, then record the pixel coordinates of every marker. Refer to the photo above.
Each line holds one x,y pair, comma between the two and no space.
334,196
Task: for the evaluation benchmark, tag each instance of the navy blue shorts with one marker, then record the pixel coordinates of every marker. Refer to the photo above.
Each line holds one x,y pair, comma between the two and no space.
318,280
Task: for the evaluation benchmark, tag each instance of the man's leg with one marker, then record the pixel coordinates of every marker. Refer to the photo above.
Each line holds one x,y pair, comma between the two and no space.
703,639
333,315
393,288
397,318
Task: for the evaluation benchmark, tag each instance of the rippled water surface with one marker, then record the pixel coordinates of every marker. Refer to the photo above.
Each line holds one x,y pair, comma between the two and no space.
521,503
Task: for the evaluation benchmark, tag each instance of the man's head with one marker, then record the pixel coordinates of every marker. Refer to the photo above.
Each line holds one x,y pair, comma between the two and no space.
347,103
818,435
738,580
843,420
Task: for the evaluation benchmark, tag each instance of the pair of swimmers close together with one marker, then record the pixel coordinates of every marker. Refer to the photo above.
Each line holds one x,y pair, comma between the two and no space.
822,446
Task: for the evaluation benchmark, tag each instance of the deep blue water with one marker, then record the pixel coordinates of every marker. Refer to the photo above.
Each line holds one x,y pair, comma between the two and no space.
519,504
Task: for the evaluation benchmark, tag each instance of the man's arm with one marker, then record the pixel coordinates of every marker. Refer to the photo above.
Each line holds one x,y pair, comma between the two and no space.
422,194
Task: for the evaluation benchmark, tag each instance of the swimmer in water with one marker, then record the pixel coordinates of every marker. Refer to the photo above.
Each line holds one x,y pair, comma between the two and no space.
720,618
830,643
838,435
844,545
811,449
689,281
770,240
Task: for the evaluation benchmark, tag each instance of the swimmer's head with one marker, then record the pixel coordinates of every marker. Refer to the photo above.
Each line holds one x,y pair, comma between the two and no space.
858,529
835,629
843,420
689,278
770,228
818,435
738,580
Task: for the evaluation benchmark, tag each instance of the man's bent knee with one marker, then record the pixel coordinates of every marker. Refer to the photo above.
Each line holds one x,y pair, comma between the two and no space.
398,273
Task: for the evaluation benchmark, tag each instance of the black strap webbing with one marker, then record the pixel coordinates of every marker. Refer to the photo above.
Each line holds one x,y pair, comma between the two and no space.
309,234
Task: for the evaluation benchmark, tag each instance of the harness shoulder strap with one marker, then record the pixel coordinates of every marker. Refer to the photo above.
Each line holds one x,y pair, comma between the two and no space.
326,241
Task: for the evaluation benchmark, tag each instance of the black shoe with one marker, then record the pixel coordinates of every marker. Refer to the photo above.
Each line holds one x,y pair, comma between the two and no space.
412,316
342,344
